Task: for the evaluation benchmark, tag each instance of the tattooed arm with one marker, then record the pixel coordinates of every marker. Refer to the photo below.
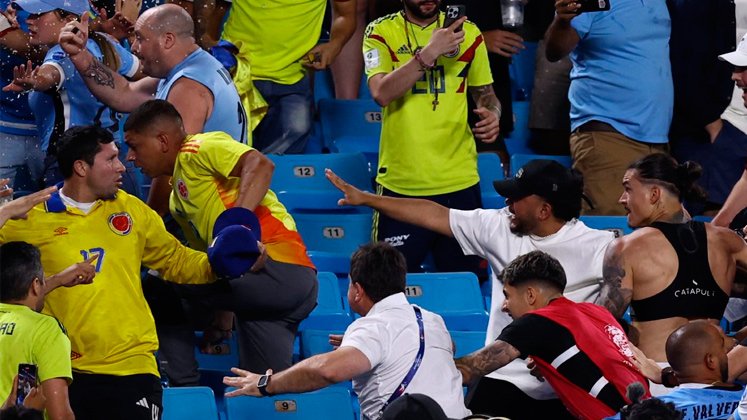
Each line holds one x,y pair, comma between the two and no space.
485,360
489,111
104,83
617,283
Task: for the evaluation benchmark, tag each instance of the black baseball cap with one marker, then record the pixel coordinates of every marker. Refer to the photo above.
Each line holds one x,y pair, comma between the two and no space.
543,177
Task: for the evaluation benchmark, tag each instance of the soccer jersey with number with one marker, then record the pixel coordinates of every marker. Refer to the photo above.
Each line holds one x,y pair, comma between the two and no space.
30,337
109,323
426,151
203,189
280,33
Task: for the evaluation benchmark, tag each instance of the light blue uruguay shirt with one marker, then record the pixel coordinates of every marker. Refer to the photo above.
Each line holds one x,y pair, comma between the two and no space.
71,103
228,113
621,72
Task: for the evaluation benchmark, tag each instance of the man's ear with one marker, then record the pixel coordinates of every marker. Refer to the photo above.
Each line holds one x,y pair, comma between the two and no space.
655,194
530,294
80,168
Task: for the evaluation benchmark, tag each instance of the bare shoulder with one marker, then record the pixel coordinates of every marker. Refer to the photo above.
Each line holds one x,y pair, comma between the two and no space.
718,235
189,87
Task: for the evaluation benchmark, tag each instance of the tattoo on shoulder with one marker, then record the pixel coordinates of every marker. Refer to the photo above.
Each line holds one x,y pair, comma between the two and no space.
100,74
613,296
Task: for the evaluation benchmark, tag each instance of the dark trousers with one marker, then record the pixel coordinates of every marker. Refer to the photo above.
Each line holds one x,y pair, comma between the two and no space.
131,397
415,243
503,399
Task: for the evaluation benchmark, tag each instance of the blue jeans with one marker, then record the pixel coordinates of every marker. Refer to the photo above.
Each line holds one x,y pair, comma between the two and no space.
287,125
21,160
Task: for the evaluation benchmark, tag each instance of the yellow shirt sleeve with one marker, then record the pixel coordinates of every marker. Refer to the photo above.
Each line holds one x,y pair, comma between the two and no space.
52,350
376,53
174,261
479,72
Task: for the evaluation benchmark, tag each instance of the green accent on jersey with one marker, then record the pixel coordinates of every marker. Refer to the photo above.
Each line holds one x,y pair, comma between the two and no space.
425,151
280,33
30,337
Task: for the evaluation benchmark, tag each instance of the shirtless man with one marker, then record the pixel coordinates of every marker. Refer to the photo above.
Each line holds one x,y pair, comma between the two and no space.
672,269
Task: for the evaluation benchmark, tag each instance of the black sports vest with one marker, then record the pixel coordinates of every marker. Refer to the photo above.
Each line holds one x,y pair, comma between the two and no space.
694,293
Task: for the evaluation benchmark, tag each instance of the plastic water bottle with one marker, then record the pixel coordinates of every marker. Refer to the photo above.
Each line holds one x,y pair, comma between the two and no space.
512,12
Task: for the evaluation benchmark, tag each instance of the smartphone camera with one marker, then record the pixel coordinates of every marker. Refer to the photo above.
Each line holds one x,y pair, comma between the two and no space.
454,13
26,381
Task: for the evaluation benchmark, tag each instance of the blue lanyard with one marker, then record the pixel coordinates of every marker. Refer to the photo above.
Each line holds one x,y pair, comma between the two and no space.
415,365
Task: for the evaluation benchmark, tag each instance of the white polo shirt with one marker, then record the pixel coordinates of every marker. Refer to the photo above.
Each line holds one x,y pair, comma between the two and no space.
578,248
389,337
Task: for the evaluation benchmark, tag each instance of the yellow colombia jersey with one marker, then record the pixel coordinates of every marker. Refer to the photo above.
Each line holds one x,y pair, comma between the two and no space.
203,189
280,33
425,151
30,337
110,326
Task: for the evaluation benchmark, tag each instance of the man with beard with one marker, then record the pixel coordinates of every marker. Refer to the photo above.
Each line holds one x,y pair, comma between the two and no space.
697,353
111,329
420,72
543,204
180,72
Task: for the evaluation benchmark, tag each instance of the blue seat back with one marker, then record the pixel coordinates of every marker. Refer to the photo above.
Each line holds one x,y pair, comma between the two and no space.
616,224
189,403
331,403
490,169
454,296
517,142
316,341
218,362
329,312
300,183
467,342
340,234
350,126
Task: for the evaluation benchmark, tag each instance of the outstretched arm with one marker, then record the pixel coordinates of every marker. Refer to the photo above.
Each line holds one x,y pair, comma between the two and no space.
108,86
736,201
617,283
308,375
485,360
343,25
419,212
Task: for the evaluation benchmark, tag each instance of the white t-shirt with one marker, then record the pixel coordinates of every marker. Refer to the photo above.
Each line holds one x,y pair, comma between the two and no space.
579,249
389,337
736,113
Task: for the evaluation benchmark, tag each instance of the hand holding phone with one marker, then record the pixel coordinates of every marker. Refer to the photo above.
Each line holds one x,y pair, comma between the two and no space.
593,6
454,13
26,381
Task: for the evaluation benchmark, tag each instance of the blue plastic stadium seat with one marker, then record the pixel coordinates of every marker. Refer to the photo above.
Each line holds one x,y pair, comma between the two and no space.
467,341
331,403
218,362
324,88
616,224
316,341
300,183
454,296
189,403
329,312
522,70
339,234
490,169
352,126
517,141
519,160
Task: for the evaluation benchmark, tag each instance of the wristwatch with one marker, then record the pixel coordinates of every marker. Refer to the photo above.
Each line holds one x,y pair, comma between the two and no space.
262,383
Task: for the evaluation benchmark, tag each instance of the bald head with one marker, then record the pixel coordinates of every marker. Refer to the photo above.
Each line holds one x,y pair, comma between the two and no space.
691,347
169,18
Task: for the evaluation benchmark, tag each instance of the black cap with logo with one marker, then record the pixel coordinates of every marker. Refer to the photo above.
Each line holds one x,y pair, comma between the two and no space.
543,177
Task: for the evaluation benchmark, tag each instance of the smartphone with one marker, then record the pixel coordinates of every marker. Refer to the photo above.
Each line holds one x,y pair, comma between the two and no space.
593,6
26,381
453,13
